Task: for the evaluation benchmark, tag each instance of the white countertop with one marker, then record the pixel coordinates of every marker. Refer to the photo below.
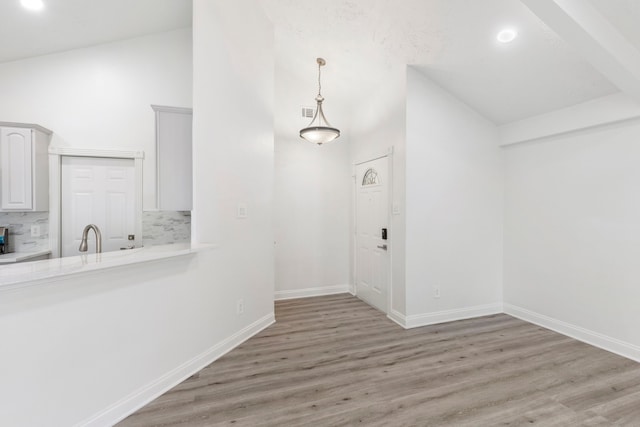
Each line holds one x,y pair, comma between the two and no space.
14,257
14,276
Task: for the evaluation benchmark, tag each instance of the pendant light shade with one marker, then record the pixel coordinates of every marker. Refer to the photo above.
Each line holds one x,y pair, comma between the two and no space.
319,130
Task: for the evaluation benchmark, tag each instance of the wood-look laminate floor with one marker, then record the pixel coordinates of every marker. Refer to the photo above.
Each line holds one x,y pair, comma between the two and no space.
334,361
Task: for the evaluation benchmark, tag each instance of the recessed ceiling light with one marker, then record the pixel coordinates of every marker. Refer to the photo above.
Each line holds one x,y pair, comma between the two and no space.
32,4
507,35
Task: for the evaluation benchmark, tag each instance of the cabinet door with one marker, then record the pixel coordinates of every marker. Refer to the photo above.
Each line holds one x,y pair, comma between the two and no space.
174,164
16,160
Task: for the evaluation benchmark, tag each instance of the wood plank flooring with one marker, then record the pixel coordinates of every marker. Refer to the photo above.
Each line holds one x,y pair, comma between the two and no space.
335,361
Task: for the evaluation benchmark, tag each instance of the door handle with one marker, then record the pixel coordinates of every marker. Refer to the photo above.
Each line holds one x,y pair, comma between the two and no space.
383,247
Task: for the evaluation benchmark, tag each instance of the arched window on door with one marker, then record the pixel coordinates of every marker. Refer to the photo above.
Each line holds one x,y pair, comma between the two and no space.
370,178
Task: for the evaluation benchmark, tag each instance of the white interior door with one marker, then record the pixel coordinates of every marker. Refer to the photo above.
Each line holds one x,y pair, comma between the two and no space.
98,191
372,215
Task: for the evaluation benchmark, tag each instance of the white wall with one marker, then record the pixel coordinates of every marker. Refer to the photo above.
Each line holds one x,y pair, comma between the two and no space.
233,147
312,193
94,347
378,125
454,191
572,229
100,97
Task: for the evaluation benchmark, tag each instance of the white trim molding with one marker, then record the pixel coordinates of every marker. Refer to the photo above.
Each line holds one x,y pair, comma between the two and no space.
139,398
91,152
622,348
313,292
375,156
169,109
600,112
26,126
398,317
425,319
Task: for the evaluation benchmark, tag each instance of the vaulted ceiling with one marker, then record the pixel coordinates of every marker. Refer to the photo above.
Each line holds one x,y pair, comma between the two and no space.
454,43
72,24
567,51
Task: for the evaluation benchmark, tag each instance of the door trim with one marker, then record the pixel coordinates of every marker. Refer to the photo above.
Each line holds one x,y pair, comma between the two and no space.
55,187
375,156
389,155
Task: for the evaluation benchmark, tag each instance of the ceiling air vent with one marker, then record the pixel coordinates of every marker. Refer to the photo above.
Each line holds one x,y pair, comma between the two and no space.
308,112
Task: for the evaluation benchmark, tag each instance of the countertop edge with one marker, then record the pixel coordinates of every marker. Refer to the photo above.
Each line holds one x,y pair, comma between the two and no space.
13,257
84,264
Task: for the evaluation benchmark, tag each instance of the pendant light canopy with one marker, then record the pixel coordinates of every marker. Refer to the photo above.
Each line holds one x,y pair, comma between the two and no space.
319,130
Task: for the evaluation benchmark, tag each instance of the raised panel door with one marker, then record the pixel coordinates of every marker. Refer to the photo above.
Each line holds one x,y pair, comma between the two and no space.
16,154
98,191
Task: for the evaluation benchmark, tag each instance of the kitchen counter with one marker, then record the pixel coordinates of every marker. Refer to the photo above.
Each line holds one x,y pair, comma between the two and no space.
14,257
13,276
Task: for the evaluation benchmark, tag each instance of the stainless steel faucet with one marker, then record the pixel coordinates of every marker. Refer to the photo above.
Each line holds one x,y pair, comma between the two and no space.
83,244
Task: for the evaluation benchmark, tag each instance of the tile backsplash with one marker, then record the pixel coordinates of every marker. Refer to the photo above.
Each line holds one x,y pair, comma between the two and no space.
158,228
19,224
166,227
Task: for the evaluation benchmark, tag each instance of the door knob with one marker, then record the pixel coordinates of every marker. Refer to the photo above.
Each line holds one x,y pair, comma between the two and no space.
383,247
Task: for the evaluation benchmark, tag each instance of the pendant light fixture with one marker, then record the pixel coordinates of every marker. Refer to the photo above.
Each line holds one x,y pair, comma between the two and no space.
319,130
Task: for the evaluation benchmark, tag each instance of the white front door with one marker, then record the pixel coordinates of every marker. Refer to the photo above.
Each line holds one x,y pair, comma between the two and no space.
372,216
98,191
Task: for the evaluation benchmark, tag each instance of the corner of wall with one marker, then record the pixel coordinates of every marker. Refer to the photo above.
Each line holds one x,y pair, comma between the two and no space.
619,347
141,397
454,204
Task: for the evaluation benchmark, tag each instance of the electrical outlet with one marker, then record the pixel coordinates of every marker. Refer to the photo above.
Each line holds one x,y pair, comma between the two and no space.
241,211
436,291
240,306
35,230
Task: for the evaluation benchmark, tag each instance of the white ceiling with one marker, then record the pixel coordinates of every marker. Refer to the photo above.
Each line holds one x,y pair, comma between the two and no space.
71,24
452,41
624,15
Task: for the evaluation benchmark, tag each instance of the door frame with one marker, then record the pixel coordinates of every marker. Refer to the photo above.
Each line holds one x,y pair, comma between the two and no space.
389,155
55,187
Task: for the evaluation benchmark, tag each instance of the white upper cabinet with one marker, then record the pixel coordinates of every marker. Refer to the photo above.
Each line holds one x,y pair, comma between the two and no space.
174,159
24,168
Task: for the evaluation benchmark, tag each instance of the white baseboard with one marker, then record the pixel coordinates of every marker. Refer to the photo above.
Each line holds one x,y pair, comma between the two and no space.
398,317
313,292
136,400
625,349
417,320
